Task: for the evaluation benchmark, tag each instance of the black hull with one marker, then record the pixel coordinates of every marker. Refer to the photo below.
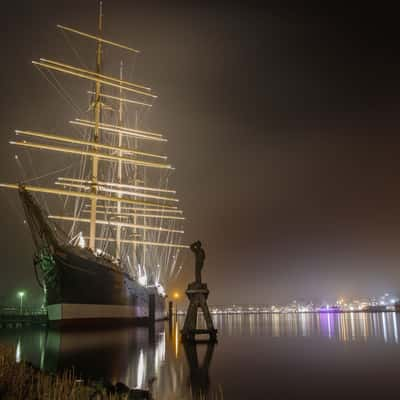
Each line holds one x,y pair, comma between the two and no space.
82,288
87,291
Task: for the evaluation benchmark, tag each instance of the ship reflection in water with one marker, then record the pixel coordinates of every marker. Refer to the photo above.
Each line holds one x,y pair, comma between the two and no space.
256,356
139,357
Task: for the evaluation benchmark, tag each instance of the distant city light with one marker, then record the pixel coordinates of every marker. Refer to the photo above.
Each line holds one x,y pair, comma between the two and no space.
301,306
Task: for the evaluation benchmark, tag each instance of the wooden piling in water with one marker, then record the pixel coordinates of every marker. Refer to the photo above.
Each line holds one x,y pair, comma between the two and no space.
152,308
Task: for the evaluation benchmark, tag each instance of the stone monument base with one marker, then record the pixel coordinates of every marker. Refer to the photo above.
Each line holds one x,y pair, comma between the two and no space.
198,294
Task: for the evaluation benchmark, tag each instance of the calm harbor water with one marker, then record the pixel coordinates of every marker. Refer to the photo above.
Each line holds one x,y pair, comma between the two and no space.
267,356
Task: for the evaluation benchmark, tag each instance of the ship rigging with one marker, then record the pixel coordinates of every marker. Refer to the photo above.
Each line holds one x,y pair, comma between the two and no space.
116,200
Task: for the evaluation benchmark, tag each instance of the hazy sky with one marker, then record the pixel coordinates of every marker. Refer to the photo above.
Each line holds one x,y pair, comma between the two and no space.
283,125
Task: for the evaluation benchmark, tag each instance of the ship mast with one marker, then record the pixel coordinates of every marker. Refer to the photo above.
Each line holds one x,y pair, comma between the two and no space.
97,120
118,234
130,201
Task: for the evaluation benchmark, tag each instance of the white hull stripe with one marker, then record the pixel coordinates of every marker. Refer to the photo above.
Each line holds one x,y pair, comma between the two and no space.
58,312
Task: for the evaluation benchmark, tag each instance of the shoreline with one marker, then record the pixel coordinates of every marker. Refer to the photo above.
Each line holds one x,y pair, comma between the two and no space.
300,312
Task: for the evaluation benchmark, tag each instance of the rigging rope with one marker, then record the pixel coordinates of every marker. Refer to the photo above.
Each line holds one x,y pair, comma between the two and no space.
74,50
67,95
48,174
65,98
149,258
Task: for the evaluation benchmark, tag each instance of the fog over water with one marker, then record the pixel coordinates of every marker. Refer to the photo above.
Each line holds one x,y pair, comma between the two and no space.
282,124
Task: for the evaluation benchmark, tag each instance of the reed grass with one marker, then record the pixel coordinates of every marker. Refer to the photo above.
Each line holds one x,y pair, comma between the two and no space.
20,381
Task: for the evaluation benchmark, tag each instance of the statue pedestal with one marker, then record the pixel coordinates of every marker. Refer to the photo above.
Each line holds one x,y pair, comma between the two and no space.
197,294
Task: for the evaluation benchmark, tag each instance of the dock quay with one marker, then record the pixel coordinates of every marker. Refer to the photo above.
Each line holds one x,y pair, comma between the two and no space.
12,319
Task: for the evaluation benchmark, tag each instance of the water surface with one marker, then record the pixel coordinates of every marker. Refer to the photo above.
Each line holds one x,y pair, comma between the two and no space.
265,356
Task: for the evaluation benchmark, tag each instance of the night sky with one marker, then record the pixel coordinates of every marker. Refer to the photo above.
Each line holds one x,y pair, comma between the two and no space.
283,125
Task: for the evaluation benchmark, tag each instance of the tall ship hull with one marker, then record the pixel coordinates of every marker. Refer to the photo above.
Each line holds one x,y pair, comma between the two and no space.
86,290
81,288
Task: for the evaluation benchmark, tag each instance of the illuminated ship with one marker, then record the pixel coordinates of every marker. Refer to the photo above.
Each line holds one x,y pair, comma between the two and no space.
114,241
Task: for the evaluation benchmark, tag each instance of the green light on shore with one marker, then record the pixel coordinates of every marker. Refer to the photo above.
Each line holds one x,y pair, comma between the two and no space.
21,296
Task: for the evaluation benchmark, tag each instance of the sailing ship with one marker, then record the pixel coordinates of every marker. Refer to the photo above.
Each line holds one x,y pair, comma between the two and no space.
110,251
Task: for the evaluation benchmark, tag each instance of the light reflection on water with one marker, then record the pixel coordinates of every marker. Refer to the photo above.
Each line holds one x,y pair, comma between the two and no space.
342,327
252,350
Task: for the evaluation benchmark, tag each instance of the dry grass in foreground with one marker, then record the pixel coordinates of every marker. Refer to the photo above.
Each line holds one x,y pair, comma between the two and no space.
20,381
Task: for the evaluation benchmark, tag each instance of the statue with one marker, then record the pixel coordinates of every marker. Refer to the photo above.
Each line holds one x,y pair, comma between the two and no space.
197,293
200,256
